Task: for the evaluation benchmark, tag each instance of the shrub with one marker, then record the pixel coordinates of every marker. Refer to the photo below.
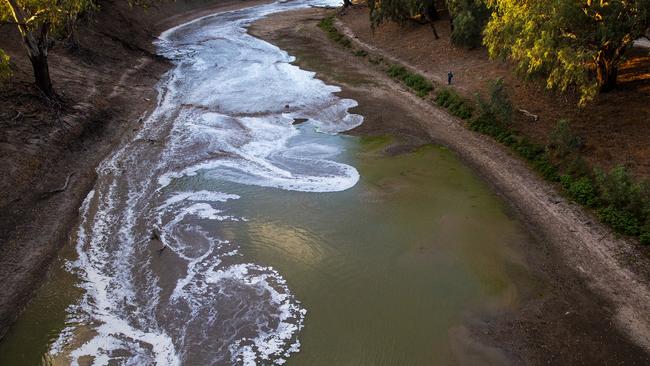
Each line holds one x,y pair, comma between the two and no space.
644,238
620,220
578,167
500,101
563,141
618,189
581,190
454,103
417,82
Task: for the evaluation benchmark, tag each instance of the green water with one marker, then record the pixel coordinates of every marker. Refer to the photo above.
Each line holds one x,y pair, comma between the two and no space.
389,271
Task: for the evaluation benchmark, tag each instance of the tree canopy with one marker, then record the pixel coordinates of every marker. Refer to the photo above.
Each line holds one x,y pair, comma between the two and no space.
573,43
468,19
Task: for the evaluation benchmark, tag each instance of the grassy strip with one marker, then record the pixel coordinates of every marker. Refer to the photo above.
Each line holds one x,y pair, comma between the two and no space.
453,102
417,82
327,24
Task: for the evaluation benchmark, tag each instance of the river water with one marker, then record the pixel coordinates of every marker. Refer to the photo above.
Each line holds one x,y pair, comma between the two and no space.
275,241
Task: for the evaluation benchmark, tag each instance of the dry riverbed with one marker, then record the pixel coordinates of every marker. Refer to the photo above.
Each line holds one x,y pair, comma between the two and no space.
595,301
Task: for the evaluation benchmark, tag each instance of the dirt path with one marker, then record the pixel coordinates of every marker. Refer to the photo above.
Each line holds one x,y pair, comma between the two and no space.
596,301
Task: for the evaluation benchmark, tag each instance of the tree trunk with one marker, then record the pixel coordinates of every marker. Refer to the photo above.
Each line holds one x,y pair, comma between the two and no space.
42,74
435,32
347,3
36,44
73,41
431,14
606,71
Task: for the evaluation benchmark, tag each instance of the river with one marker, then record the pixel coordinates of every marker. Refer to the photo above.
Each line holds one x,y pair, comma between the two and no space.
240,226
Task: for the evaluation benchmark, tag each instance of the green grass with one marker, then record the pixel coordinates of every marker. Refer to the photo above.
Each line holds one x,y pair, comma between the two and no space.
454,103
416,82
327,24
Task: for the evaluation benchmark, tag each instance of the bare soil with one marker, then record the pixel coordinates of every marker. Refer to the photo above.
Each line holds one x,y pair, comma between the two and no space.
106,87
593,299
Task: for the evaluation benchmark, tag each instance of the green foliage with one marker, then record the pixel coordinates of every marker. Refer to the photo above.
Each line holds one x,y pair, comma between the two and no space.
563,141
5,69
454,103
36,20
624,204
327,24
469,20
493,120
417,82
31,15
570,42
500,101
618,189
538,156
621,221
396,10
581,190
644,238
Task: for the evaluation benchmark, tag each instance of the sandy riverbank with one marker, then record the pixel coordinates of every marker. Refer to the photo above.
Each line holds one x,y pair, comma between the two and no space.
596,299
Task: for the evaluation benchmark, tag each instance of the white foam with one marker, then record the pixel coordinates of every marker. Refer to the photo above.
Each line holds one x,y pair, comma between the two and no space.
226,110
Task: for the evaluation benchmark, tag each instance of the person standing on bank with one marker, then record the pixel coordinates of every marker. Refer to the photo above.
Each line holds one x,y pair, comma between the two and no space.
450,76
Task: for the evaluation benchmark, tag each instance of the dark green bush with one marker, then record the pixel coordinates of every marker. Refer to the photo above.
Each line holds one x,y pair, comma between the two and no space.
581,190
618,189
454,103
500,101
620,220
417,82
469,19
563,141
644,238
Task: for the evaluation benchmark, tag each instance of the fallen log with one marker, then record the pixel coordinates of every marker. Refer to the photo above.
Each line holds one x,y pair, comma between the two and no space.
528,114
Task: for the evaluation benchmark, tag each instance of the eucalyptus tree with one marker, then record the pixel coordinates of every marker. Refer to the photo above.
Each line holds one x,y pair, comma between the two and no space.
573,43
36,20
468,19
401,11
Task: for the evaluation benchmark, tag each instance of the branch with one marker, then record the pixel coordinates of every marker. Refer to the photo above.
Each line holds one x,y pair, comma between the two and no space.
13,23
59,190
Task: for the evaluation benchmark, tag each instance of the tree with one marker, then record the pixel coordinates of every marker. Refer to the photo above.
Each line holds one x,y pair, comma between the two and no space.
35,20
468,19
573,43
401,11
